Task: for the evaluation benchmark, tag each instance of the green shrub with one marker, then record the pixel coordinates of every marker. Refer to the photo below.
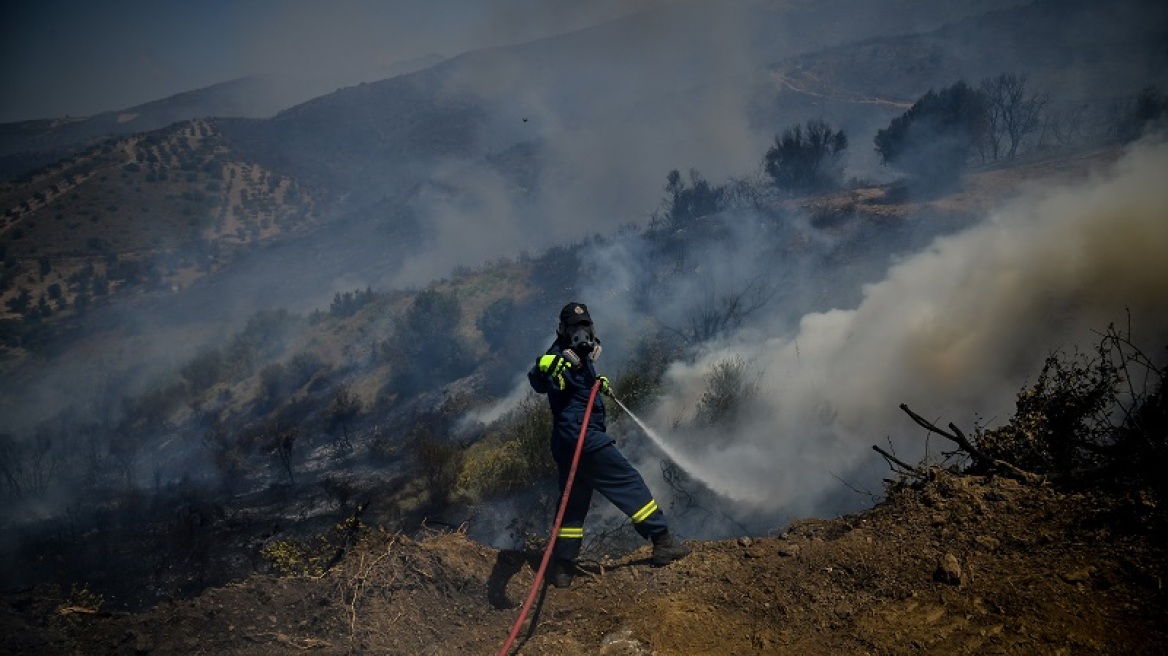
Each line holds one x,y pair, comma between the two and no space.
426,351
491,467
440,463
316,555
515,454
807,160
640,379
934,138
81,600
204,370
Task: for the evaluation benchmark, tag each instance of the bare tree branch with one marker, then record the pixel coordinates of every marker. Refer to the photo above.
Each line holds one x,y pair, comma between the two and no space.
893,460
957,437
962,441
721,313
1010,113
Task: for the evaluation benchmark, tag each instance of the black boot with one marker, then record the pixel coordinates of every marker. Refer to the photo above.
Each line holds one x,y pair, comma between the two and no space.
666,550
562,572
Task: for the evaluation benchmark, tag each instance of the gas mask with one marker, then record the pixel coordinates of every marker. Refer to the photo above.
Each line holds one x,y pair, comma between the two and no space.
582,343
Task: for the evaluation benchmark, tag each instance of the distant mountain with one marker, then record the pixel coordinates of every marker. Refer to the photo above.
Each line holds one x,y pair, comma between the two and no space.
857,65
28,145
1085,51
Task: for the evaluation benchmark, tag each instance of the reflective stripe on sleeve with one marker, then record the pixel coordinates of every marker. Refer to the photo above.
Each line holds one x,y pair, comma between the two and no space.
643,514
572,532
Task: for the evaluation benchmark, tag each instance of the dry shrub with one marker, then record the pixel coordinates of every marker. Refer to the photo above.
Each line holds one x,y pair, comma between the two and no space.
730,388
439,462
1100,415
1060,421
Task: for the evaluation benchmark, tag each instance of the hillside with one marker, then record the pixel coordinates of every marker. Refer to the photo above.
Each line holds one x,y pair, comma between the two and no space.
1053,565
361,398
1033,569
149,214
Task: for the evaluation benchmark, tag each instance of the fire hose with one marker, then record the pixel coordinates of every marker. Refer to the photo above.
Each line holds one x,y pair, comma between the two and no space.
547,554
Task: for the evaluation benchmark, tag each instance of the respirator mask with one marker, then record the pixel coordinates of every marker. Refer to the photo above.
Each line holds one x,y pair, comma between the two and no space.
582,343
576,332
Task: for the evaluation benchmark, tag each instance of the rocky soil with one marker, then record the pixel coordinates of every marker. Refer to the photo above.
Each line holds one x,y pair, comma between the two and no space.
954,565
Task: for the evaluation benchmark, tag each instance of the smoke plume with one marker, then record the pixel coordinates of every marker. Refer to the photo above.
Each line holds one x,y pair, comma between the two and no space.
953,331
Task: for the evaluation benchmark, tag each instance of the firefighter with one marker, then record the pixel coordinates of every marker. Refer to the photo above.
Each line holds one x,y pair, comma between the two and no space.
567,373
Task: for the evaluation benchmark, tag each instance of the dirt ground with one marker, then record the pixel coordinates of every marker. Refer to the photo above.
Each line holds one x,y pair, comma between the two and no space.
957,565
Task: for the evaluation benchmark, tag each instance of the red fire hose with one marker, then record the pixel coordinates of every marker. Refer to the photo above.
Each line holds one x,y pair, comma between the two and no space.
547,554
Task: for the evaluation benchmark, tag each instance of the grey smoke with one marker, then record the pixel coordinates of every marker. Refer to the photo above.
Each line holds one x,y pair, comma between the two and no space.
953,331
611,110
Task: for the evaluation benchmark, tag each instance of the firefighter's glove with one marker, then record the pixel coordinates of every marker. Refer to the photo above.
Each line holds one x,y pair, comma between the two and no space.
604,385
553,367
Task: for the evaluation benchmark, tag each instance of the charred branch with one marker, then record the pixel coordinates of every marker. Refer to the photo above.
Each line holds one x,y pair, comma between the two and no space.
894,462
955,435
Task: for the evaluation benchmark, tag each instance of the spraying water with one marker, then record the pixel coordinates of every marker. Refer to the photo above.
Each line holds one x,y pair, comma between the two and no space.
731,489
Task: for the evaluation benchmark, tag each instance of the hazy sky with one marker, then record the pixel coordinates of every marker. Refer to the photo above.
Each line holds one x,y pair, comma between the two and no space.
79,57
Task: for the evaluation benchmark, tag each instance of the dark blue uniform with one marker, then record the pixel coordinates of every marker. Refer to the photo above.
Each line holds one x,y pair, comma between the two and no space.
602,467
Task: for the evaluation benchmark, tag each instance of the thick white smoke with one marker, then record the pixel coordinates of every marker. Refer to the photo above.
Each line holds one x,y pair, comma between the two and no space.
953,331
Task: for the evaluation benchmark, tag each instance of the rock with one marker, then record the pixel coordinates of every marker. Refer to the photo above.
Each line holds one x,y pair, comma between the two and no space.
988,543
1082,575
745,542
948,570
622,643
143,643
788,550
